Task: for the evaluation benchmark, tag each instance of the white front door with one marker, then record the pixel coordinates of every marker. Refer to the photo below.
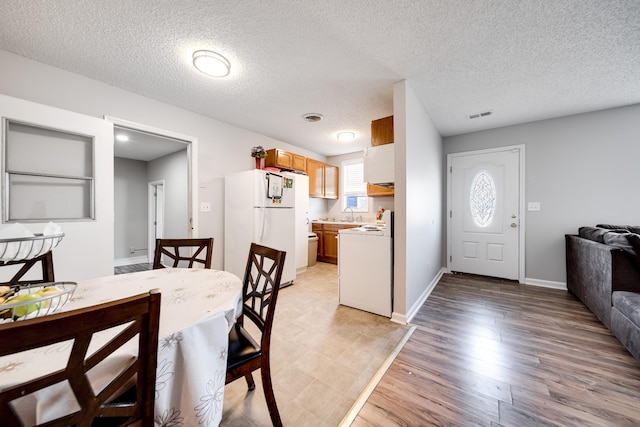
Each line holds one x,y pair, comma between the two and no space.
484,218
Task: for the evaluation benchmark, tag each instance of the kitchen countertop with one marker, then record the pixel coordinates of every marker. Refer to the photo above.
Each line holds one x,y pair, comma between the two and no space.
337,221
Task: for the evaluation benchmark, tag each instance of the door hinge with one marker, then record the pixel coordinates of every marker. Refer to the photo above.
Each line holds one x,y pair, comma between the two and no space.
450,169
450,214
450,258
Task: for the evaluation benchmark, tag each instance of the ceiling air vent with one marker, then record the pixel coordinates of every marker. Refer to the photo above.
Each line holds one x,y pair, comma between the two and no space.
312,117
484,114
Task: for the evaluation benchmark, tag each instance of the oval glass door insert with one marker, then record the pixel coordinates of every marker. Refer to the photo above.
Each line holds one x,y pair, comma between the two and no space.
482,198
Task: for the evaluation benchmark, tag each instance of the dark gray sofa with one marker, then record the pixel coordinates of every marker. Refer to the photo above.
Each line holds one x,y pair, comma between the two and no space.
606,278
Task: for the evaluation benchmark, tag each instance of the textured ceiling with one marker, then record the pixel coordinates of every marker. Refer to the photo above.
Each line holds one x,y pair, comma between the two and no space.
522,60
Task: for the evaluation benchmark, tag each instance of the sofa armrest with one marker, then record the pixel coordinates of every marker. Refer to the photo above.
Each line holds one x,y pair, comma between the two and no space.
589,274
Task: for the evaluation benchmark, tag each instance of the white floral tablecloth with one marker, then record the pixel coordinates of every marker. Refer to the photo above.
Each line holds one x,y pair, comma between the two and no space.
198,308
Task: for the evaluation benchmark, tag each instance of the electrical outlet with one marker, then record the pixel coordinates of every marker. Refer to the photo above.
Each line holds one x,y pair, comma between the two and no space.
132,250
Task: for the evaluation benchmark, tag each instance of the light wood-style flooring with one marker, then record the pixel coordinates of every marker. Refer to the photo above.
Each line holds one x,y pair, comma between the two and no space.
495,353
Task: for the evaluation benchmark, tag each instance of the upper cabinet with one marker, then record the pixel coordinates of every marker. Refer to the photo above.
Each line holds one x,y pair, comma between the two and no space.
379,158
285,160
382,131
323,179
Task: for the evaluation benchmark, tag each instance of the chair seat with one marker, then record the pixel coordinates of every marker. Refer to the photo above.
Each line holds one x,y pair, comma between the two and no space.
242,347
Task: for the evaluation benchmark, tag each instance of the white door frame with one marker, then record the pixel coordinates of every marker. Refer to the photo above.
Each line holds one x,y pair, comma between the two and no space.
521,202
192,165
155,206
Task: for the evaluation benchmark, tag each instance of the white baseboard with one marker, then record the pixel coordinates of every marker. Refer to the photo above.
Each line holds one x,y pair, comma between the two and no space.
130,261
545,283
418,304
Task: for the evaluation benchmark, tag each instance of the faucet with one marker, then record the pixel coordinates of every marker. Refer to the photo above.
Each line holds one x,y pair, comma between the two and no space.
352,219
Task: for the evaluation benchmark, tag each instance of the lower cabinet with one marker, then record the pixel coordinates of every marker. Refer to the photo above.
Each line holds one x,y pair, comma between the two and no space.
328,241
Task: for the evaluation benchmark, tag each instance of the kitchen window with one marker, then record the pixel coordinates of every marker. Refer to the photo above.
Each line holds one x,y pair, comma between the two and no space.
48,174
354,193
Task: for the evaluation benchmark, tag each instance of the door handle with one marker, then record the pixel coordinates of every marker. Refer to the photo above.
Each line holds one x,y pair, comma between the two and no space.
514,225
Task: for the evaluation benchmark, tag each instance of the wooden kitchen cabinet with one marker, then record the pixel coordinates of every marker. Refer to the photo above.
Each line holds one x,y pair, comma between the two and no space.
285,160
327,240
331,181
315,171
323,179
379,191
382,131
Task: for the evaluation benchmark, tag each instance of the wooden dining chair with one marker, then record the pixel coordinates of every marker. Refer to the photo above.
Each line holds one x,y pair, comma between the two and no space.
46,264
260,292
202,252
140,317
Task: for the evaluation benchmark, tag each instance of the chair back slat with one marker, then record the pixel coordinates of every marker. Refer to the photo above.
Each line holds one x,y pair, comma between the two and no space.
46,264
261,284
179,252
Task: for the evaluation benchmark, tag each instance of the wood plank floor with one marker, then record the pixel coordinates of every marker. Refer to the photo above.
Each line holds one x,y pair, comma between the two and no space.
496,353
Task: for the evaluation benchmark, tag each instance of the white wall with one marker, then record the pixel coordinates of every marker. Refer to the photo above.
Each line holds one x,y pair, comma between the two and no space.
87,247
583,169
418,203
222,148
174,171
130,207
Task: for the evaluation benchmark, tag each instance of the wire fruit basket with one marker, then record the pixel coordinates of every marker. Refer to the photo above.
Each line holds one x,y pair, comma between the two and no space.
33,300
25,248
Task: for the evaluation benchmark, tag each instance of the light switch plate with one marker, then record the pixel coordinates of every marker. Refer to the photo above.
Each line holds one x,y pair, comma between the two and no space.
205,207
533,206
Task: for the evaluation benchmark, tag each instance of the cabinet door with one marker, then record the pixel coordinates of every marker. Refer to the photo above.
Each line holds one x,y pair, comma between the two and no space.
316,178
382,131
299,163
331,182
320,252
284,159
330,246
378,191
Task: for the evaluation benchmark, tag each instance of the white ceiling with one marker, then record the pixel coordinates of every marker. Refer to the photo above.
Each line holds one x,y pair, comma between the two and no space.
145,146
522,60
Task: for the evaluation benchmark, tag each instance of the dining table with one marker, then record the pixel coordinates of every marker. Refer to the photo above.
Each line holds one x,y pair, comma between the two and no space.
198,308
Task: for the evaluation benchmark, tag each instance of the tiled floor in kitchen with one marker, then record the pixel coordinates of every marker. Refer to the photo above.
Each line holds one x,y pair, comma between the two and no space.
323,356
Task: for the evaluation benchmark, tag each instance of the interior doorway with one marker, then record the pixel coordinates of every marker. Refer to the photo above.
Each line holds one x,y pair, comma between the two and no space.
154,192
485,212
156,215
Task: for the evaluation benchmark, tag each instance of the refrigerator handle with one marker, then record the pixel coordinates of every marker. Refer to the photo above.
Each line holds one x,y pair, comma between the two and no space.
262,224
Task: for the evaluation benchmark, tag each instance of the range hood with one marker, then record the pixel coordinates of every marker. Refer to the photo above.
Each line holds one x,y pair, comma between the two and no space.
378,165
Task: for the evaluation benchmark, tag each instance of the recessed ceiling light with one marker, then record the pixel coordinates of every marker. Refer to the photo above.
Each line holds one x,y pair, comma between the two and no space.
122,137
211,63
345,136
312,117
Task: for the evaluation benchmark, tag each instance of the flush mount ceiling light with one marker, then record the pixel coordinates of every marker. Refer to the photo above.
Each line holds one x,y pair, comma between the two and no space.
312,117
211,63
345,136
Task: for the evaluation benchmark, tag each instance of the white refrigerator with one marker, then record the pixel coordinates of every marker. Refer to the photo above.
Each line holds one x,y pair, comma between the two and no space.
260,207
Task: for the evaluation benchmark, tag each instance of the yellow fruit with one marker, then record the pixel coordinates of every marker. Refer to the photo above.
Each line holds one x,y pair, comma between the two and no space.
23,310
48,291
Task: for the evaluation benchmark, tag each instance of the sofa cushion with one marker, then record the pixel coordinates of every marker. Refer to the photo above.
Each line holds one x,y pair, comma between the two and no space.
618,240
631,228
593,233
628,303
